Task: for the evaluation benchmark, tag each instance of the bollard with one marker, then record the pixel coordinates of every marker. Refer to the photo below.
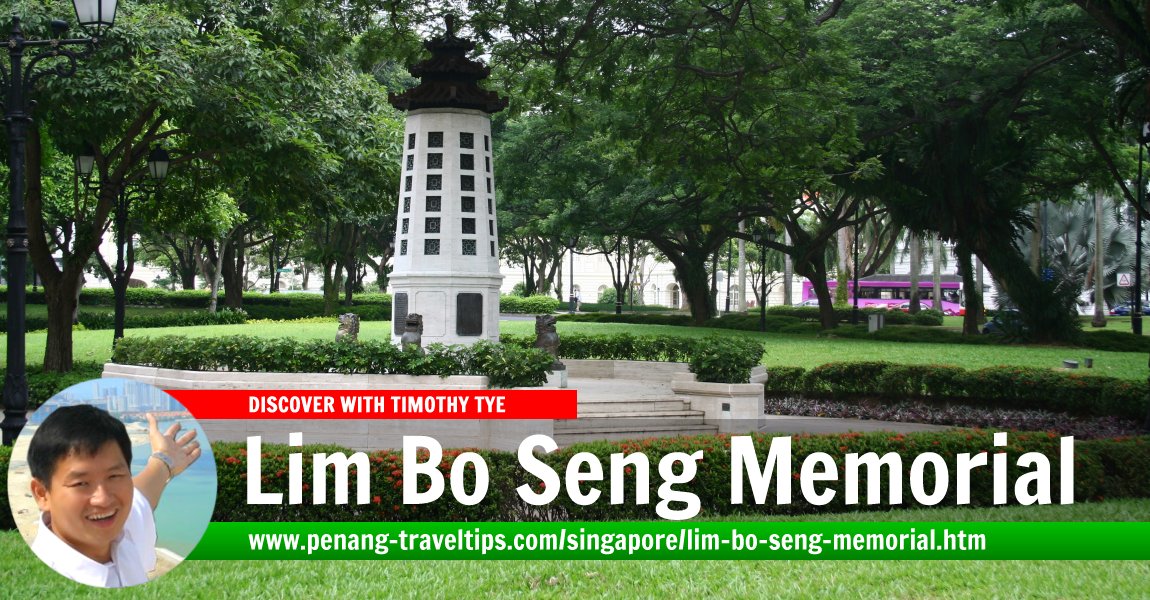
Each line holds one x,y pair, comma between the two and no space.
1070,364
1088,363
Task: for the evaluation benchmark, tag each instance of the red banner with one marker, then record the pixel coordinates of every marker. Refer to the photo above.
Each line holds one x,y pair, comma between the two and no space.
379,404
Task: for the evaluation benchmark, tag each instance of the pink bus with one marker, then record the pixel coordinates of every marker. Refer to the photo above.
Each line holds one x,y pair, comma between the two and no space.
893,292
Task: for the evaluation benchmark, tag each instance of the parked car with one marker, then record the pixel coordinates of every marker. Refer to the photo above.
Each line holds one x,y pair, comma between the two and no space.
925,304
1006,322
1124,310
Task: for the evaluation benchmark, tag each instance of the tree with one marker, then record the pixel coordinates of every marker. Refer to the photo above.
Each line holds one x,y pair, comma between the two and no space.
962,105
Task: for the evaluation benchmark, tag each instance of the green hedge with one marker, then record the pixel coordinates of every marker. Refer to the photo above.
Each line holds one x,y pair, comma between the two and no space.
779,319
1008,387
843,314
724,360
505,365
1109,469
538,305
42,385
6,520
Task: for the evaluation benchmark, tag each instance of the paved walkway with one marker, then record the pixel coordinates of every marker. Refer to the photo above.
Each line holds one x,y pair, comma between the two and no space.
623,390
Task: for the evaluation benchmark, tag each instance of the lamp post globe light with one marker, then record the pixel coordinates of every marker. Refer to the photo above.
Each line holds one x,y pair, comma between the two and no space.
761,241
572,302
44,57
158,161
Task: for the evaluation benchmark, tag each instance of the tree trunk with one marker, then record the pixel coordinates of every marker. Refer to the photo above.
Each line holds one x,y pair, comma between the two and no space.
915,244
1099,319
843,268
233,274
972,319
788,272
936,293
1036,238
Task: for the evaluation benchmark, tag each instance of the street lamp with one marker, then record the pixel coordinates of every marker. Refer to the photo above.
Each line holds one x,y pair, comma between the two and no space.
17,78
571,243
158,161
855,272
761,240
730,250
1136,311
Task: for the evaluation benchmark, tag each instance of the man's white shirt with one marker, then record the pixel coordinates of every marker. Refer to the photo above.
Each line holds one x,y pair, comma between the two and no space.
133,552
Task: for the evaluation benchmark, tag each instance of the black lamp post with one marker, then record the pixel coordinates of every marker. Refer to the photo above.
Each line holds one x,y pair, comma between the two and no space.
730,249
760,239
158,161
855,273
571,243
17,78
1136,311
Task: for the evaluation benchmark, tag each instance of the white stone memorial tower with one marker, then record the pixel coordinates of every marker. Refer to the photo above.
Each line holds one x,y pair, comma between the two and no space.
447,252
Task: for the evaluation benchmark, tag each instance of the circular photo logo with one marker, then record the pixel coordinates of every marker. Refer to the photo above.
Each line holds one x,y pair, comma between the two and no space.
112,482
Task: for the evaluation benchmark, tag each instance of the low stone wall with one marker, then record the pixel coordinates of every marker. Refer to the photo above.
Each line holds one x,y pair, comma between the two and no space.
624,369
358,434
735,407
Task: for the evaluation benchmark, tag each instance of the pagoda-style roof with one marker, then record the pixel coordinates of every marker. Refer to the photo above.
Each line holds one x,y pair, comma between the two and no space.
449,79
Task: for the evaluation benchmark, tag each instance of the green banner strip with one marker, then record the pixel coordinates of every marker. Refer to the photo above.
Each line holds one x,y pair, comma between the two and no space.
676,540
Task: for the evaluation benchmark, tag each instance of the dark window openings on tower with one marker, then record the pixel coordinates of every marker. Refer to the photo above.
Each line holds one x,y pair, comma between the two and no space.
469,247
488,185
431,225
434,160
491,228
492,248
467,162
467,203
403,226
466,140
411,141
407,204
410,162
407,183
435,182
431,247
434,204
468,226
486,144
487,163
467,183
490,206
403,247
435,139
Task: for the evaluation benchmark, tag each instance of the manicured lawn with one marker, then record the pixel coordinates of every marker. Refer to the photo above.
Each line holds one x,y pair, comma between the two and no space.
782,350
640,579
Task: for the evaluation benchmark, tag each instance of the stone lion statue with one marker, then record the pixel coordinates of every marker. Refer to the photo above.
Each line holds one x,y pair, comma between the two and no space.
546,337
348,328
412,338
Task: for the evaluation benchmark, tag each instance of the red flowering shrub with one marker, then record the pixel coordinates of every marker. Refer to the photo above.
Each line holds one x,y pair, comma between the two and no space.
1109,468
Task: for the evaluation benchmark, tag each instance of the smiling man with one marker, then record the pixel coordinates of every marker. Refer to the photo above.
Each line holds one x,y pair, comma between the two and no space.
96,522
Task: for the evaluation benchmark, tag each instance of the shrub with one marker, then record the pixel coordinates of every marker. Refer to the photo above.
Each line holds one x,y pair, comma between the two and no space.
506,366
1106,468
607,296
725,360
6,520
537,305
1007,387
43,385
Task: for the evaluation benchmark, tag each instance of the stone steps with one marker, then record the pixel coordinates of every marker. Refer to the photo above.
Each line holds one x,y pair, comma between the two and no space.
565,437
620,409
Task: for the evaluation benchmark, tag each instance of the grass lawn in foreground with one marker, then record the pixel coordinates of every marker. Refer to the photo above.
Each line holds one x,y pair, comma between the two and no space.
640,579
781,349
